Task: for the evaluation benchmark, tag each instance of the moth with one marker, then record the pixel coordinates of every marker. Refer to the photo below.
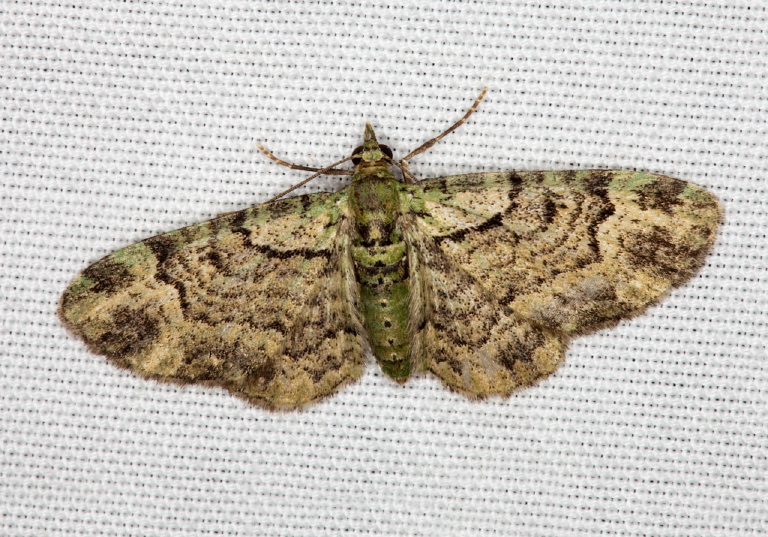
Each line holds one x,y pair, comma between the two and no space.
480,279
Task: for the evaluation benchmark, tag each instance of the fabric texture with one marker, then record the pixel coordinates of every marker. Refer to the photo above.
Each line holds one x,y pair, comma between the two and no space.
124,120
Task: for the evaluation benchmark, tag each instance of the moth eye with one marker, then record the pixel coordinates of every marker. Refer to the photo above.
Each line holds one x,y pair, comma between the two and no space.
358,150
384,149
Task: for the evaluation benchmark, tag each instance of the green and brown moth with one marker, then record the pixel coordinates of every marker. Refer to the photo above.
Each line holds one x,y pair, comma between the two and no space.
480,279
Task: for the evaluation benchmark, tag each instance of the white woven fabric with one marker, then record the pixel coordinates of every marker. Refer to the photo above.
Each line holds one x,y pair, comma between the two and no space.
126,119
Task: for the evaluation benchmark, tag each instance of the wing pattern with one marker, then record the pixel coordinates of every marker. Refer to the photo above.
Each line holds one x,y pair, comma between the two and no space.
262,302
503,269
511,265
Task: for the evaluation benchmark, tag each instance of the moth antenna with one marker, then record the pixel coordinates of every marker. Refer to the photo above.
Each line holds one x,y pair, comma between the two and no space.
308,179
429,143
281,162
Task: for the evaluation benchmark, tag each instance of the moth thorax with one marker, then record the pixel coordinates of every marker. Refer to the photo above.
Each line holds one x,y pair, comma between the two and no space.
377,168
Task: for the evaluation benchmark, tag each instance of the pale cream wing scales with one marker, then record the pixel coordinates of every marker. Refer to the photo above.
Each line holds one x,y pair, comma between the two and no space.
262,302
461,332
553,254
571,250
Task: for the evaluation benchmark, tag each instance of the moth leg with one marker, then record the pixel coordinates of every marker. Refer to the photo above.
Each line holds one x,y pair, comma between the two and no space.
429,143
407,174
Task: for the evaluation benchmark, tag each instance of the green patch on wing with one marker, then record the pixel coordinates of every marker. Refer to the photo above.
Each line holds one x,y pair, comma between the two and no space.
629,181
695,193
138,253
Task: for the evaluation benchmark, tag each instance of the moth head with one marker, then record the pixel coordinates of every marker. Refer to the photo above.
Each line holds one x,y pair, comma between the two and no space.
371,150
